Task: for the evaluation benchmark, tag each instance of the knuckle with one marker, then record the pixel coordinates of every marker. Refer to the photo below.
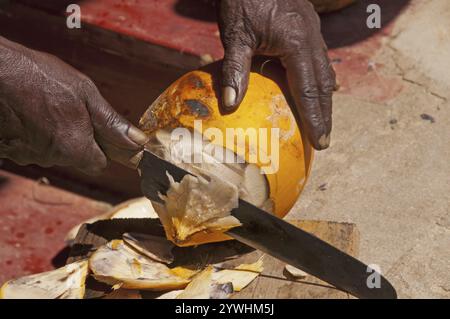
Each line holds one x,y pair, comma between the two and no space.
232,64
114,120
87,85
315,120
310,93
327,88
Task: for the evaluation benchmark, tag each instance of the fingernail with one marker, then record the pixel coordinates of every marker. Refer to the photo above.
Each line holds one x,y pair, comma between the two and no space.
337,86
137,136
324,141
229,96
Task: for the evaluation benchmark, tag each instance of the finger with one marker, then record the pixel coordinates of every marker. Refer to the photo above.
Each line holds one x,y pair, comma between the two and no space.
127,158
326,81
304,89
235,74
111,127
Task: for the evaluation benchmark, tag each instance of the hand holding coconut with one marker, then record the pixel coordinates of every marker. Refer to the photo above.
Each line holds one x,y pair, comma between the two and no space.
289,30
51,114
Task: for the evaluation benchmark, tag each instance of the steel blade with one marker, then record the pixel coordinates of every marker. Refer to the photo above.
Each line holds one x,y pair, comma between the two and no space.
303,250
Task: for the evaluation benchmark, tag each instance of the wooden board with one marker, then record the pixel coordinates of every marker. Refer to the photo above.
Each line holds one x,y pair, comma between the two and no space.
274,282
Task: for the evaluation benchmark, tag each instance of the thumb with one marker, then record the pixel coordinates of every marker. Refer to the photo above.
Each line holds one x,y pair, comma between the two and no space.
117,137
110,126
235,74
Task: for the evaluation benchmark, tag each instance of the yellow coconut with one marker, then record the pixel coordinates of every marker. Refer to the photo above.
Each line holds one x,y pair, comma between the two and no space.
277,146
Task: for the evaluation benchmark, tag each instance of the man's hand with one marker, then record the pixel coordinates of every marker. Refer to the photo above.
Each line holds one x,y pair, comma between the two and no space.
290,30
51,114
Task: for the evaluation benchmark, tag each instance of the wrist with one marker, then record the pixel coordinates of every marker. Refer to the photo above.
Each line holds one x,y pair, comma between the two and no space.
7,48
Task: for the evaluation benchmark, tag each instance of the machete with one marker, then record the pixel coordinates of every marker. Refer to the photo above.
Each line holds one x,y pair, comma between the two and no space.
274,236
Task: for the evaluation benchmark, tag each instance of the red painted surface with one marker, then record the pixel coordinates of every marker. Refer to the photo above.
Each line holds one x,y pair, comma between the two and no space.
190,26
351,43
34,219
359,75
166,23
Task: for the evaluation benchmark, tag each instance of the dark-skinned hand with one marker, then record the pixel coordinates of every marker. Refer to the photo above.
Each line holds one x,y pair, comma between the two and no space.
289,30
51,114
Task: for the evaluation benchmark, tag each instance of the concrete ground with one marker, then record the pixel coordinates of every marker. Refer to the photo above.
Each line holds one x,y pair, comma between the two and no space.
388,168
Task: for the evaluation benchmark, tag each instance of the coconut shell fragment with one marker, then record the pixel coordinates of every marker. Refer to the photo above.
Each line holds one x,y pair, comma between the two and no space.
63,283
157,248
295,272
134,208
203,286
117,263
170,295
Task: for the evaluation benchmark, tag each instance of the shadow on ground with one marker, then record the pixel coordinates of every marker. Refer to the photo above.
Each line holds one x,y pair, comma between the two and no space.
341,28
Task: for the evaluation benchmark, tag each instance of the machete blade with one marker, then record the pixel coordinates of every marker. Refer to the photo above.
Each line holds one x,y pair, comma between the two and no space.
277,238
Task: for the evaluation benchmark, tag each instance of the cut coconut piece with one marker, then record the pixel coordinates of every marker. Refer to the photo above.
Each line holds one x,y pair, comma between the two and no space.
170,295
212,160
256,185
134,208
203,286
197,205
64,283
241,276
205,158
295,272
154,247
116,262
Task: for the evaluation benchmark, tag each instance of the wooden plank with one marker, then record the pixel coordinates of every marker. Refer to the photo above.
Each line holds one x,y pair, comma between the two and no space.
272,283
276,283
